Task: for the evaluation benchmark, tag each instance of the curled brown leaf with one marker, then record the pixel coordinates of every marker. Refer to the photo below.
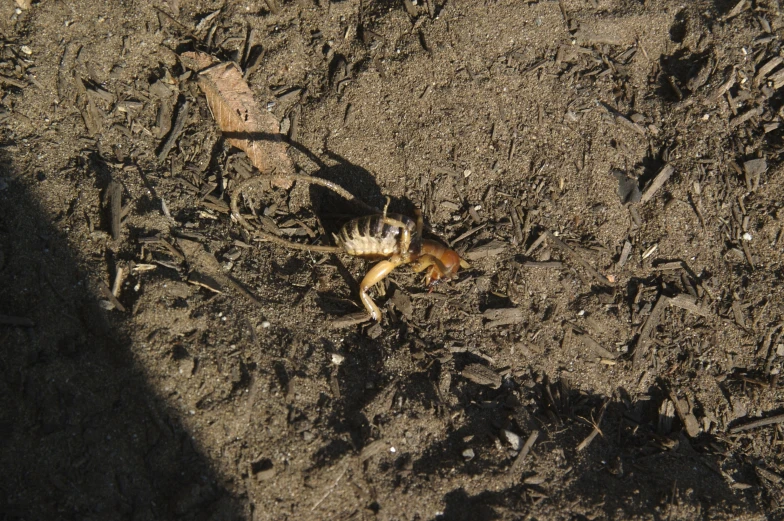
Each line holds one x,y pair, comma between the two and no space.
243,122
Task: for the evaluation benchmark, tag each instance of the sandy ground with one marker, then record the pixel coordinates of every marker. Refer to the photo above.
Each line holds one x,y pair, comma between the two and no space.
611,169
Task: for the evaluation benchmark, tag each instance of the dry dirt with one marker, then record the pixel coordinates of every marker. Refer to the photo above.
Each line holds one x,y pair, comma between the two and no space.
611,168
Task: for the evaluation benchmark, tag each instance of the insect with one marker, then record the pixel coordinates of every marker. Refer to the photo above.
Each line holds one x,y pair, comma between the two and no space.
392,239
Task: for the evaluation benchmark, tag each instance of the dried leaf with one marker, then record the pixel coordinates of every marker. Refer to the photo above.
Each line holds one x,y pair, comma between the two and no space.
245,124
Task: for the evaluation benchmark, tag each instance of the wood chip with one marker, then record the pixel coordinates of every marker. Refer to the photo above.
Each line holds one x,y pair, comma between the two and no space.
770,476
738,312
491,249
373,448
594,346
179,126
777,79
503,317
411,10
658,181
735,11
625,122
689,303
482,375
114,199
767,69
726,86
350,320
627,250
578,258
742,118
688,419
645,334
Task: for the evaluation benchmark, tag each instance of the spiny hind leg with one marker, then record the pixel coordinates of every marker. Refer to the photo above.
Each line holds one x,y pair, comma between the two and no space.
376,274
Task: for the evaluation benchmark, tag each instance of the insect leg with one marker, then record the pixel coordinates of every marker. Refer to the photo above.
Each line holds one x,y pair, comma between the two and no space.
437,268
376,274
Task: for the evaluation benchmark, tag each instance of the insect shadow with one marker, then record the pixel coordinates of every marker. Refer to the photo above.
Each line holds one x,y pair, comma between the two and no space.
328,206
331,210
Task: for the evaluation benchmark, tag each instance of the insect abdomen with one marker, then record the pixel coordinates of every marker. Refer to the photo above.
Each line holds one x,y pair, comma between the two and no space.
371,237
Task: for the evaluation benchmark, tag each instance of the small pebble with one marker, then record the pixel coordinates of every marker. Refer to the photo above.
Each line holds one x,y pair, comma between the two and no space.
265,324
511,438
337,359
468,454
186,366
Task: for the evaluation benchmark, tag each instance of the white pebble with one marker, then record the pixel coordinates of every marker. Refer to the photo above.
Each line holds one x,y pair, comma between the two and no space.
512,439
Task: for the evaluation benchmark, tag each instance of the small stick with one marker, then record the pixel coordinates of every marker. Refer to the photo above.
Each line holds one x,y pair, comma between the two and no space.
108,294
535,245
114,195
573,254
658,181
770,347
759,423
469,233
645,334
244,292
727,85
520,459
587,441
330,489
554,265
248,45
173,19
12,82
738,120
118,279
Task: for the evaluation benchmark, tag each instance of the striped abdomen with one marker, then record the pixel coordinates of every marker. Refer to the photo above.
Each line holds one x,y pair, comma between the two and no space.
371,237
